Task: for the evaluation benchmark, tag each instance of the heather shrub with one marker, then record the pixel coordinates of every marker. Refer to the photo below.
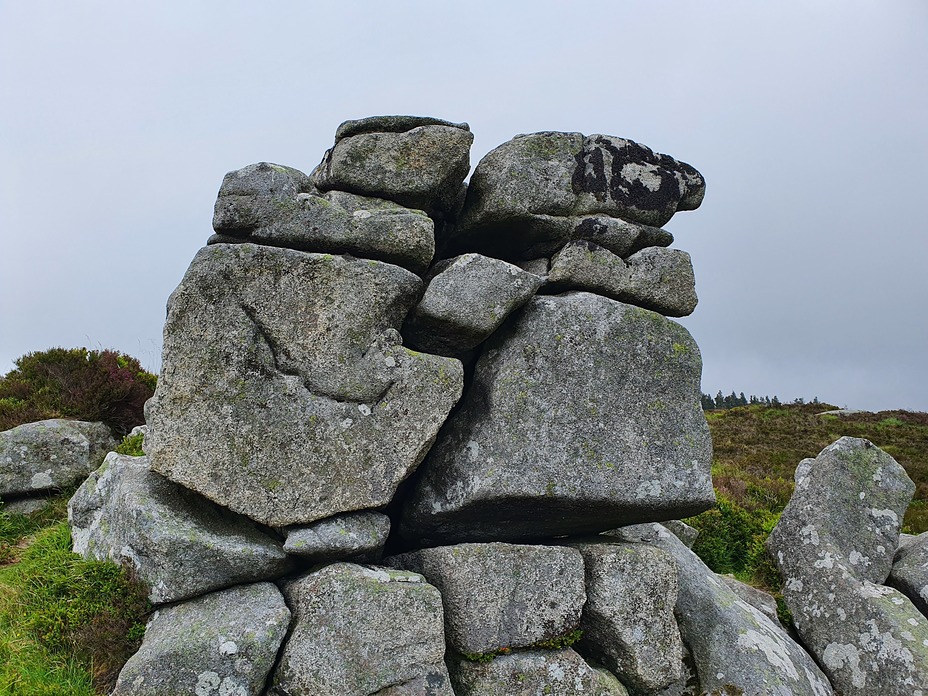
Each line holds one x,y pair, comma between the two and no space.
76,383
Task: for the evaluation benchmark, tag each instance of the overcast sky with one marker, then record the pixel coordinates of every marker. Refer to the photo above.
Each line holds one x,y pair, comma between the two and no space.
808,119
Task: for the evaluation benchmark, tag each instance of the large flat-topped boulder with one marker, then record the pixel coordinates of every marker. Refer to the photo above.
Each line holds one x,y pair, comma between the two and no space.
179,544
569,174
419,163
271,204
50,454
285,394
834,547
583,414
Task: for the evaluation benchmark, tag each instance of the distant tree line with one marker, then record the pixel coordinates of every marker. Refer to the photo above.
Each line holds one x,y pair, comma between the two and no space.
733,400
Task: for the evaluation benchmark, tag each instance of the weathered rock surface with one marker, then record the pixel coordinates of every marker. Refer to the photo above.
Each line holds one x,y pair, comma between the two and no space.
628,621
682,531
224,643
834,545
569,175
418,166
50,454
359,630
466,300
654,278
910,572
532,673
351,535
23,506
760,600
584,414
270,204
285,394
734,646
502,595
178,543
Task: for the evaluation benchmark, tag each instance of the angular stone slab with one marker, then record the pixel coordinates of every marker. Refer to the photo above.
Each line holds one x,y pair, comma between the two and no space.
502,595
760,600
682,531
391,124
584,413
358,630
467,299
910,572
568,175
284,393
560,672
654,278
736,648
351,535
834,545
270,204
50,454
221,643
628,621
180,544
420,167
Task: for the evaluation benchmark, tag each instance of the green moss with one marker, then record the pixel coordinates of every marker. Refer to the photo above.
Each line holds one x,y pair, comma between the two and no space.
131,445
559,642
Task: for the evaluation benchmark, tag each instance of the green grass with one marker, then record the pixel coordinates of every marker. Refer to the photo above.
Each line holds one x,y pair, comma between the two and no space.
67,625
756,451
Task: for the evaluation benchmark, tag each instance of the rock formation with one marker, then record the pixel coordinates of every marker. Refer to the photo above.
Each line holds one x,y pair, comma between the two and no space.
445,419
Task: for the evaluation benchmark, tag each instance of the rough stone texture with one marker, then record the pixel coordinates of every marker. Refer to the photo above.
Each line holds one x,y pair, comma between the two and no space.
682,531
905,541
270,204
466,300
910,572
654,278
686,685
23,506
533,673
391,124
284,393
834,545
584,414
422,167
359,630
502,595
221,644
734,646
180,544
50,454
569,175
352,535
803,469
628,620
760,600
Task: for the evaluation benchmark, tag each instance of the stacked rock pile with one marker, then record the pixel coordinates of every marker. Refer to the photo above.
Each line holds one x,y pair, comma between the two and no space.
398,417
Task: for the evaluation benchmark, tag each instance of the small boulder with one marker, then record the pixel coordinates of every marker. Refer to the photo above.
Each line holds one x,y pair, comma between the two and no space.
270,204
654,278
502,595
736,648
560,673
910,572
224,643
178,543
628,621
50,454
834,547
359,630
760,600
418,162
466,300
682,531
583,413
353,535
